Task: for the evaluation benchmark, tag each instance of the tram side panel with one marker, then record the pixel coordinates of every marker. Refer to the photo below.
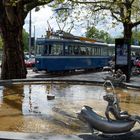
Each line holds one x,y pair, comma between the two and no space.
65,63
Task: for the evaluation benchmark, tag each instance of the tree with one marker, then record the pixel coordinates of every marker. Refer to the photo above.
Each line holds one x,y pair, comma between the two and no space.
92,32
25,38
124,11
12,15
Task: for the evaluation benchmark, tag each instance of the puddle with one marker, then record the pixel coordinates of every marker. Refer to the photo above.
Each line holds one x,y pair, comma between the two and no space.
26,108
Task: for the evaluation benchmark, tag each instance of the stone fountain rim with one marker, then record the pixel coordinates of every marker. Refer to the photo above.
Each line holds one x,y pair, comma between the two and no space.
33,80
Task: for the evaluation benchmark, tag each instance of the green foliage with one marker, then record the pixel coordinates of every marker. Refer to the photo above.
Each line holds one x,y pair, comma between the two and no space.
126,12
25,39
1,43
60,1
92,32
136,37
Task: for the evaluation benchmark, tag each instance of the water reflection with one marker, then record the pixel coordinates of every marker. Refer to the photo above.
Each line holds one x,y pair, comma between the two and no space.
11,106
25,108
127,96
129,99
13,99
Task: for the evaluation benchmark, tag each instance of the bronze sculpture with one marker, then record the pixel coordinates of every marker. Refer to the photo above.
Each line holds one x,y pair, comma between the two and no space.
114,108
116,79
123,122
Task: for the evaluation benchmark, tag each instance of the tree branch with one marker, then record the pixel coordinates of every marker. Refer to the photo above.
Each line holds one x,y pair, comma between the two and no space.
30,4
135,24
114,16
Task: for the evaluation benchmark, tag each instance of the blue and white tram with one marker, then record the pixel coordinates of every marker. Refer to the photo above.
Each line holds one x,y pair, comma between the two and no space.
135,49
57,55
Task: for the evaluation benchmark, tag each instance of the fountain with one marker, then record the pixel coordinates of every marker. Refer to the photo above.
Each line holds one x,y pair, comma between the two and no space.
25,106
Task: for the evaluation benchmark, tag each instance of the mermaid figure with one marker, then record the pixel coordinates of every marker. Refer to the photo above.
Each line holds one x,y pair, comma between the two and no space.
114,108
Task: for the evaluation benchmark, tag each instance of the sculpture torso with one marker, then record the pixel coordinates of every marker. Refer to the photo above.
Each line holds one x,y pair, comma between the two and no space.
114,108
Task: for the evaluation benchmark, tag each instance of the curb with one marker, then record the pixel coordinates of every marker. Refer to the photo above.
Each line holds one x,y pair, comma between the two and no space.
99,82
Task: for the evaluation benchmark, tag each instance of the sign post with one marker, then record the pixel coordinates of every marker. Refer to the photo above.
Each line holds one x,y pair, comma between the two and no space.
123,56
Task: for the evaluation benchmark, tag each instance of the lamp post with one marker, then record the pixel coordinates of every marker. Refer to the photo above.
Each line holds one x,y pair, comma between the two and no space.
34,42
30,24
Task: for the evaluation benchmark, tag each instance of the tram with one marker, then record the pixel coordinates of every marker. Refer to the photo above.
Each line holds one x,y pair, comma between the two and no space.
135,49
61,55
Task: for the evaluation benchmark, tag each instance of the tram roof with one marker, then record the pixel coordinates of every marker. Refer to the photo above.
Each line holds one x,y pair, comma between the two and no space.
40,41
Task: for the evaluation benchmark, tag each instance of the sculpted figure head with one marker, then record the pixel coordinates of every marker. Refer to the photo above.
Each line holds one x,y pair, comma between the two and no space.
109,98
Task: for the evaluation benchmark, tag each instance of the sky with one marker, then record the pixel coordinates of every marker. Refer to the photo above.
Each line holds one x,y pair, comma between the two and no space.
44,15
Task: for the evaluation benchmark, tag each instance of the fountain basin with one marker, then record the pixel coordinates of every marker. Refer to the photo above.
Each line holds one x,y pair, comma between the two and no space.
24,107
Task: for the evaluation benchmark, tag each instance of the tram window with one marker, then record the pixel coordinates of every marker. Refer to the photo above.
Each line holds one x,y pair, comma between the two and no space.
82,50
70,50
56,49
95,51
45,50
39,49
98,51
103,51
91,52
111,52
88,51
66,50
76,50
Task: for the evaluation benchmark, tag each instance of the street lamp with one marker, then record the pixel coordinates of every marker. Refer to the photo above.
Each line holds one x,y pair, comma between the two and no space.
30,24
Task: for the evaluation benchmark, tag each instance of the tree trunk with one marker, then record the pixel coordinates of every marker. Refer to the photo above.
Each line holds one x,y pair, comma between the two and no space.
127,30
127,36
13,65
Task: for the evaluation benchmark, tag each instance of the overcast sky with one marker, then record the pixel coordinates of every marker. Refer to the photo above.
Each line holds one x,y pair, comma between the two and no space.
40,18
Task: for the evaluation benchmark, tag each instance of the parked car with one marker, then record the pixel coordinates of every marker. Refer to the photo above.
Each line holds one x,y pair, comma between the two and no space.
26,57
137,63
30,62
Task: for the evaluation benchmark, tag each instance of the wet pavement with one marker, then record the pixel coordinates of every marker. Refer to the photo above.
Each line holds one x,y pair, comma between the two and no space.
92,77
86,77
